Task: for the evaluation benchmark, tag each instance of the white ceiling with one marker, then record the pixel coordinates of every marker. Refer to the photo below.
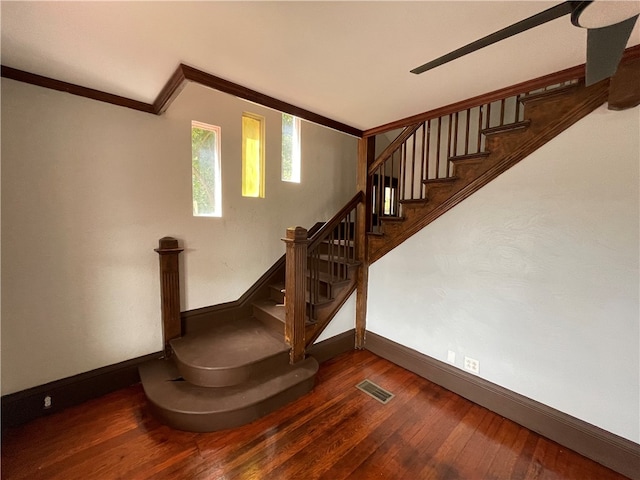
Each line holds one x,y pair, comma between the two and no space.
346,60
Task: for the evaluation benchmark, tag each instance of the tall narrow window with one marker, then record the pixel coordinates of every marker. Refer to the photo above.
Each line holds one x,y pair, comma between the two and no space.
290,148
205,170
252,155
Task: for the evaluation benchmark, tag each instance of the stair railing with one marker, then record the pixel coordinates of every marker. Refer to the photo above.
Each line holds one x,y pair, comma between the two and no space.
313,265
422,152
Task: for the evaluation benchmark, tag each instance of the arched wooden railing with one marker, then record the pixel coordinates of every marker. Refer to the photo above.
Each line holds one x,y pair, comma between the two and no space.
423,152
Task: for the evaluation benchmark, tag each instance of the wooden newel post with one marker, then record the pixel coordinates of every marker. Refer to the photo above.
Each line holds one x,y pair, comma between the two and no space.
169,289
295,291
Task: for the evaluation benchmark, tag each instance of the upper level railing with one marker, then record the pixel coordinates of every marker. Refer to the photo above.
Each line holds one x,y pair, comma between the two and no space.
424,151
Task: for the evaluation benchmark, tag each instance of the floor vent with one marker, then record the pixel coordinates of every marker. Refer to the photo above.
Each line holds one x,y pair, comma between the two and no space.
376,391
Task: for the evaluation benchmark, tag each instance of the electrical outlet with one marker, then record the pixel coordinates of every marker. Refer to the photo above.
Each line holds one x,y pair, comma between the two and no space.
451,356
47,401
471,365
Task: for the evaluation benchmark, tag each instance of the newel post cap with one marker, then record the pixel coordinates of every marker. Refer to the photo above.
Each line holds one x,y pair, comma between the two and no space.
168,245
296,234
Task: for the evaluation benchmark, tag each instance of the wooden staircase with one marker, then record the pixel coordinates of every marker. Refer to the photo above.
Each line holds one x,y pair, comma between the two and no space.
538,117
231,364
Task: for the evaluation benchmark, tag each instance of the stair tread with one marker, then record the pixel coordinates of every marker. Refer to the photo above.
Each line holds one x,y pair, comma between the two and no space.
228,344
470,156
392,219
544,94
506,128
439,181
164,388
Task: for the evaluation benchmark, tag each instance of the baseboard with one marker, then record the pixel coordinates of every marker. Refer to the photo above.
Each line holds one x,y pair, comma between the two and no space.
334,346
26,405
608,449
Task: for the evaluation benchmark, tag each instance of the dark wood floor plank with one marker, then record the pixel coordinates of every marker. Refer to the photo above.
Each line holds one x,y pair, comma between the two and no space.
335,432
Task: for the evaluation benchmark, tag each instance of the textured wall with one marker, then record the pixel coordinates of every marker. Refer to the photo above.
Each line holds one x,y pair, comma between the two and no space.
535,276
87,191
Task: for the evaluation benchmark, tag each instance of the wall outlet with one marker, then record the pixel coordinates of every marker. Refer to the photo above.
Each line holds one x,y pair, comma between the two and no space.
451,356
47,401
471,365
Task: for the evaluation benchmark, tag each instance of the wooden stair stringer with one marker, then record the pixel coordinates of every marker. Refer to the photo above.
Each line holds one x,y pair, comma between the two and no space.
545,125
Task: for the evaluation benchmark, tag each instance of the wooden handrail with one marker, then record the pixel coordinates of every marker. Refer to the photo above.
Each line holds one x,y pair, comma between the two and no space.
328,227
572,73
393,146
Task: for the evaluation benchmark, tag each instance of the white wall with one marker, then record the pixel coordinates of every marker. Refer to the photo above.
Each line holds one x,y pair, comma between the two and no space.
87,191
536,276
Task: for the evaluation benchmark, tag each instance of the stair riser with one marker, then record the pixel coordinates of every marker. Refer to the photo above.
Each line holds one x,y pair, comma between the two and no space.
269,320
230,376
276,294
213,422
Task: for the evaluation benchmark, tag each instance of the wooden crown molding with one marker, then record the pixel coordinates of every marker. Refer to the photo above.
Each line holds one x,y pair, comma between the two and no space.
557,77
172,89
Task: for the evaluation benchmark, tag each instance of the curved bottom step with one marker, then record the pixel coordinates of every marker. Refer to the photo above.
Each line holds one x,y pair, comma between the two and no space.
185,406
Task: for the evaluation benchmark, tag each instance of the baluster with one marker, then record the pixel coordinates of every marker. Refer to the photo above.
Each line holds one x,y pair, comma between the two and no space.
423,157
449,144
455,134
402,181
413,164
427,156
466,135
438,148
502,112
384,190
517,108
488,115
479,129
381,182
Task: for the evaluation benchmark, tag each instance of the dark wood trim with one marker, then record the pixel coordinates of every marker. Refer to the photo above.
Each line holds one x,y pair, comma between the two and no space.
551,79
332,347
624,88
169,259
193,320
550,122
245,93
604,447
197,318
26,405
173,87
170,91
53,84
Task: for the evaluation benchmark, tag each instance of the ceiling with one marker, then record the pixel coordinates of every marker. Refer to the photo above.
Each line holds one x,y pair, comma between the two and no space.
346,60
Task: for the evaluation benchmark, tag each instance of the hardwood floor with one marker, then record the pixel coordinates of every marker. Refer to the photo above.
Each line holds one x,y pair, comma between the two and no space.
335,432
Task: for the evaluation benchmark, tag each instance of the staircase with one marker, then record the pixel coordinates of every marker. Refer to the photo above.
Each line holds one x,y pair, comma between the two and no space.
233,363
228,375
435,164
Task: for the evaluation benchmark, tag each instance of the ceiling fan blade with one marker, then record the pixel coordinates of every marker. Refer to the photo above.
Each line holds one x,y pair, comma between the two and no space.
538,19
605,47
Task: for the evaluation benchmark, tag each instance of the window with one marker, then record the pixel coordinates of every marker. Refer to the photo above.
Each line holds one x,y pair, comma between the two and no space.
252,155
290,148
205,170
